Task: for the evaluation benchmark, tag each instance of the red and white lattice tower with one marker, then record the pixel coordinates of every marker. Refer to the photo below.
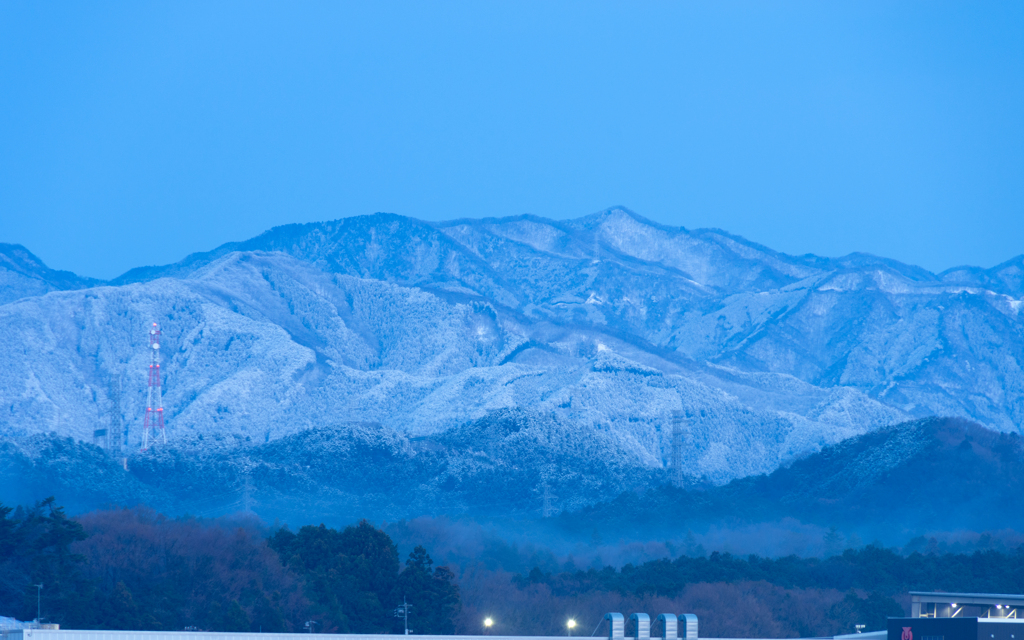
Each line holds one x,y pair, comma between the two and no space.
153,426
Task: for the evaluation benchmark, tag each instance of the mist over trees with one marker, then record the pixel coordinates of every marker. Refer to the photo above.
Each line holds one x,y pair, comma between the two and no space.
870,568
136,569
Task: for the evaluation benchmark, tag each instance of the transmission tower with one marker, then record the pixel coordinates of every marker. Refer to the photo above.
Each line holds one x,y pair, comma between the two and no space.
677,448
547,501
153,426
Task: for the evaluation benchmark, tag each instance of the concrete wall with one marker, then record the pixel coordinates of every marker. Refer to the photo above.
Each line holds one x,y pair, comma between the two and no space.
71,634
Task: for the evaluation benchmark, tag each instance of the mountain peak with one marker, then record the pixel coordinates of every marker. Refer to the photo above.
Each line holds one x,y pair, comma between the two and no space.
1006,278
23,274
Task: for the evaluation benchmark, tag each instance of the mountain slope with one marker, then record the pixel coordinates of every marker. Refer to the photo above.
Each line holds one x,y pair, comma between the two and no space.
608,322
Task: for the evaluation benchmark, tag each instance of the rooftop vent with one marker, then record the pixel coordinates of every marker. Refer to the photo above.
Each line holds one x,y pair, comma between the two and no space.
616,626
688,626
669,625
643,626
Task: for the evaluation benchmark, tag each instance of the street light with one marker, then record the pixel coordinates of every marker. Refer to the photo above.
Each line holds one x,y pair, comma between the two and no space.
403,612
488,623
571,624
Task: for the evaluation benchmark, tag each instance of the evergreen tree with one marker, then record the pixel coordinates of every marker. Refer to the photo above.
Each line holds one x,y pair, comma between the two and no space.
36,549
350,575
432,592
872,612
833,541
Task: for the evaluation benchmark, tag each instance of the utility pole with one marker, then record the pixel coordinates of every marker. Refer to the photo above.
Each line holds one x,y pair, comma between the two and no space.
402,611
39,601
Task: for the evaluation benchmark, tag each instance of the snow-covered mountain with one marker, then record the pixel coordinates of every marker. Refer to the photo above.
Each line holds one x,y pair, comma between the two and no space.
607,323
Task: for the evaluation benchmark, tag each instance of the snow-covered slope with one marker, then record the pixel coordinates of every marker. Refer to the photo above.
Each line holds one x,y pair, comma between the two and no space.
608,323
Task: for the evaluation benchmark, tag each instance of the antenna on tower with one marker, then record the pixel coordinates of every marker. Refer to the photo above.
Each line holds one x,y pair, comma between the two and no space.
153,425
101,438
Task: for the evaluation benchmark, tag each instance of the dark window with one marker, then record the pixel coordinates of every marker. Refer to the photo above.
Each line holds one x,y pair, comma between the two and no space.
933,637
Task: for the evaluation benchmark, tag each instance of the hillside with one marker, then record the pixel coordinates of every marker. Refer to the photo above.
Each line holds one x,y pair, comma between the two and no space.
925,475
523,473
511,464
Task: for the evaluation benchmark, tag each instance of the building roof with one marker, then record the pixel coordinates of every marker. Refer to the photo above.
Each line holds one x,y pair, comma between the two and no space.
967,598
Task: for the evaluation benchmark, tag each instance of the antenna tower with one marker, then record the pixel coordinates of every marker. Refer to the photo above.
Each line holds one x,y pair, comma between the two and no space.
153,426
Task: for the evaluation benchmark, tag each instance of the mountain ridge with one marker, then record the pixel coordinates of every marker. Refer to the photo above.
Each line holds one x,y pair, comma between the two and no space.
855,259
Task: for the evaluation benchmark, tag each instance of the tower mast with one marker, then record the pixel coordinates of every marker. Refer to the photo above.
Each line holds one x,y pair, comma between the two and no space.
153,425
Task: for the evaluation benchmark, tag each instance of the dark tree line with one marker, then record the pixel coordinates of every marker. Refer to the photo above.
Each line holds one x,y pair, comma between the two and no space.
133,569
356,583
871,568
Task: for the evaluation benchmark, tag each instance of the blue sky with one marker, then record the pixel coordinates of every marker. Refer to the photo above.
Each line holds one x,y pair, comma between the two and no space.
135,133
